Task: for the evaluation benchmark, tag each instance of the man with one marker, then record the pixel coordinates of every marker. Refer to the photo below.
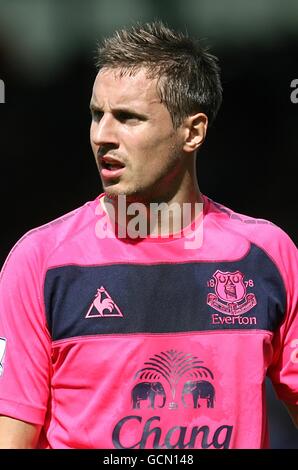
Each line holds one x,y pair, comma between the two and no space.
127,324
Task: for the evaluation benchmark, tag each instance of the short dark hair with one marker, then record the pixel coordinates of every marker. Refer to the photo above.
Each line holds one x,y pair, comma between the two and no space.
188,75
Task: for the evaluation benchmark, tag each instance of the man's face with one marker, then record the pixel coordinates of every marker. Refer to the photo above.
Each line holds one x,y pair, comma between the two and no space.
137,150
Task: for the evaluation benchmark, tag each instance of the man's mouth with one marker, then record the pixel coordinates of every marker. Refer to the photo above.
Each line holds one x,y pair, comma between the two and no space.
111,167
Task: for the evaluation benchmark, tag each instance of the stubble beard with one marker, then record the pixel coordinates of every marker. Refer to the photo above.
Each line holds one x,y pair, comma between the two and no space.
154,191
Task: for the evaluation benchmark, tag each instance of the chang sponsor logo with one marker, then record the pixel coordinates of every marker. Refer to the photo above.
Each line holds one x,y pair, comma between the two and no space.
176,437
171,380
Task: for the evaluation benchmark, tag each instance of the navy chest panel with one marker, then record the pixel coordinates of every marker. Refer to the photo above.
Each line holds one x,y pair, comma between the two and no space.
161,298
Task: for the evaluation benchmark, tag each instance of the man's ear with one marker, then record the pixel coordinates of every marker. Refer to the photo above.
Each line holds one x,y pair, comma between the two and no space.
196,129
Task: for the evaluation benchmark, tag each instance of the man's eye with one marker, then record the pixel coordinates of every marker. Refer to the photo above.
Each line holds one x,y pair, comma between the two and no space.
124,117
96,115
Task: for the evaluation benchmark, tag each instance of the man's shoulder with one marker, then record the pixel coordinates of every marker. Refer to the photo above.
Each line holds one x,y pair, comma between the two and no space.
65,225
40,241
259,231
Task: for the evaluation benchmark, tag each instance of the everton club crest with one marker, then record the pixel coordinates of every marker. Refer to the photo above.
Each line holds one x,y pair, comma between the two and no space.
230,296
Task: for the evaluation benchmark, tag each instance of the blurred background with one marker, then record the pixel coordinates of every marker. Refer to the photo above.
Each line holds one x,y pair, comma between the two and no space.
47,50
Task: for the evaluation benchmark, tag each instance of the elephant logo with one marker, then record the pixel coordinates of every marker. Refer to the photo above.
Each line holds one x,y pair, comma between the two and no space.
147,391
199,389
158,382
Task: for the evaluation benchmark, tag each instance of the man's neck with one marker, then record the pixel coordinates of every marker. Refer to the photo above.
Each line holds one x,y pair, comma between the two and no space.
157,218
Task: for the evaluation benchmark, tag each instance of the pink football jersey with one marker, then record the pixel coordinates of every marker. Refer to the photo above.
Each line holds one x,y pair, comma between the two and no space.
111,342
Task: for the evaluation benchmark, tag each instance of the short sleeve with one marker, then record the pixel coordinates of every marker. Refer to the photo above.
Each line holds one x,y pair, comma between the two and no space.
25,346
284,368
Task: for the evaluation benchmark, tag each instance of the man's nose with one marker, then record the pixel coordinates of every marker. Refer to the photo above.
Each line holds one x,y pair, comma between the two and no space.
104,131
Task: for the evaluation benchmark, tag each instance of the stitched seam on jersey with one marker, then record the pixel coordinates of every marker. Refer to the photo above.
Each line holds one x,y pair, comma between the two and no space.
65,241
31,232
281,278
21,404
277,354
52,418
155,263
277,268
46,262
78,339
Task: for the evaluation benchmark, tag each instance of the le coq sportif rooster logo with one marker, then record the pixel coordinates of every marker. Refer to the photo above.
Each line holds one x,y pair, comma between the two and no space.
103,305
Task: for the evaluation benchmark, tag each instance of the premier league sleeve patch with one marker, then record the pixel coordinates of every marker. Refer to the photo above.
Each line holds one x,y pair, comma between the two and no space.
2,354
